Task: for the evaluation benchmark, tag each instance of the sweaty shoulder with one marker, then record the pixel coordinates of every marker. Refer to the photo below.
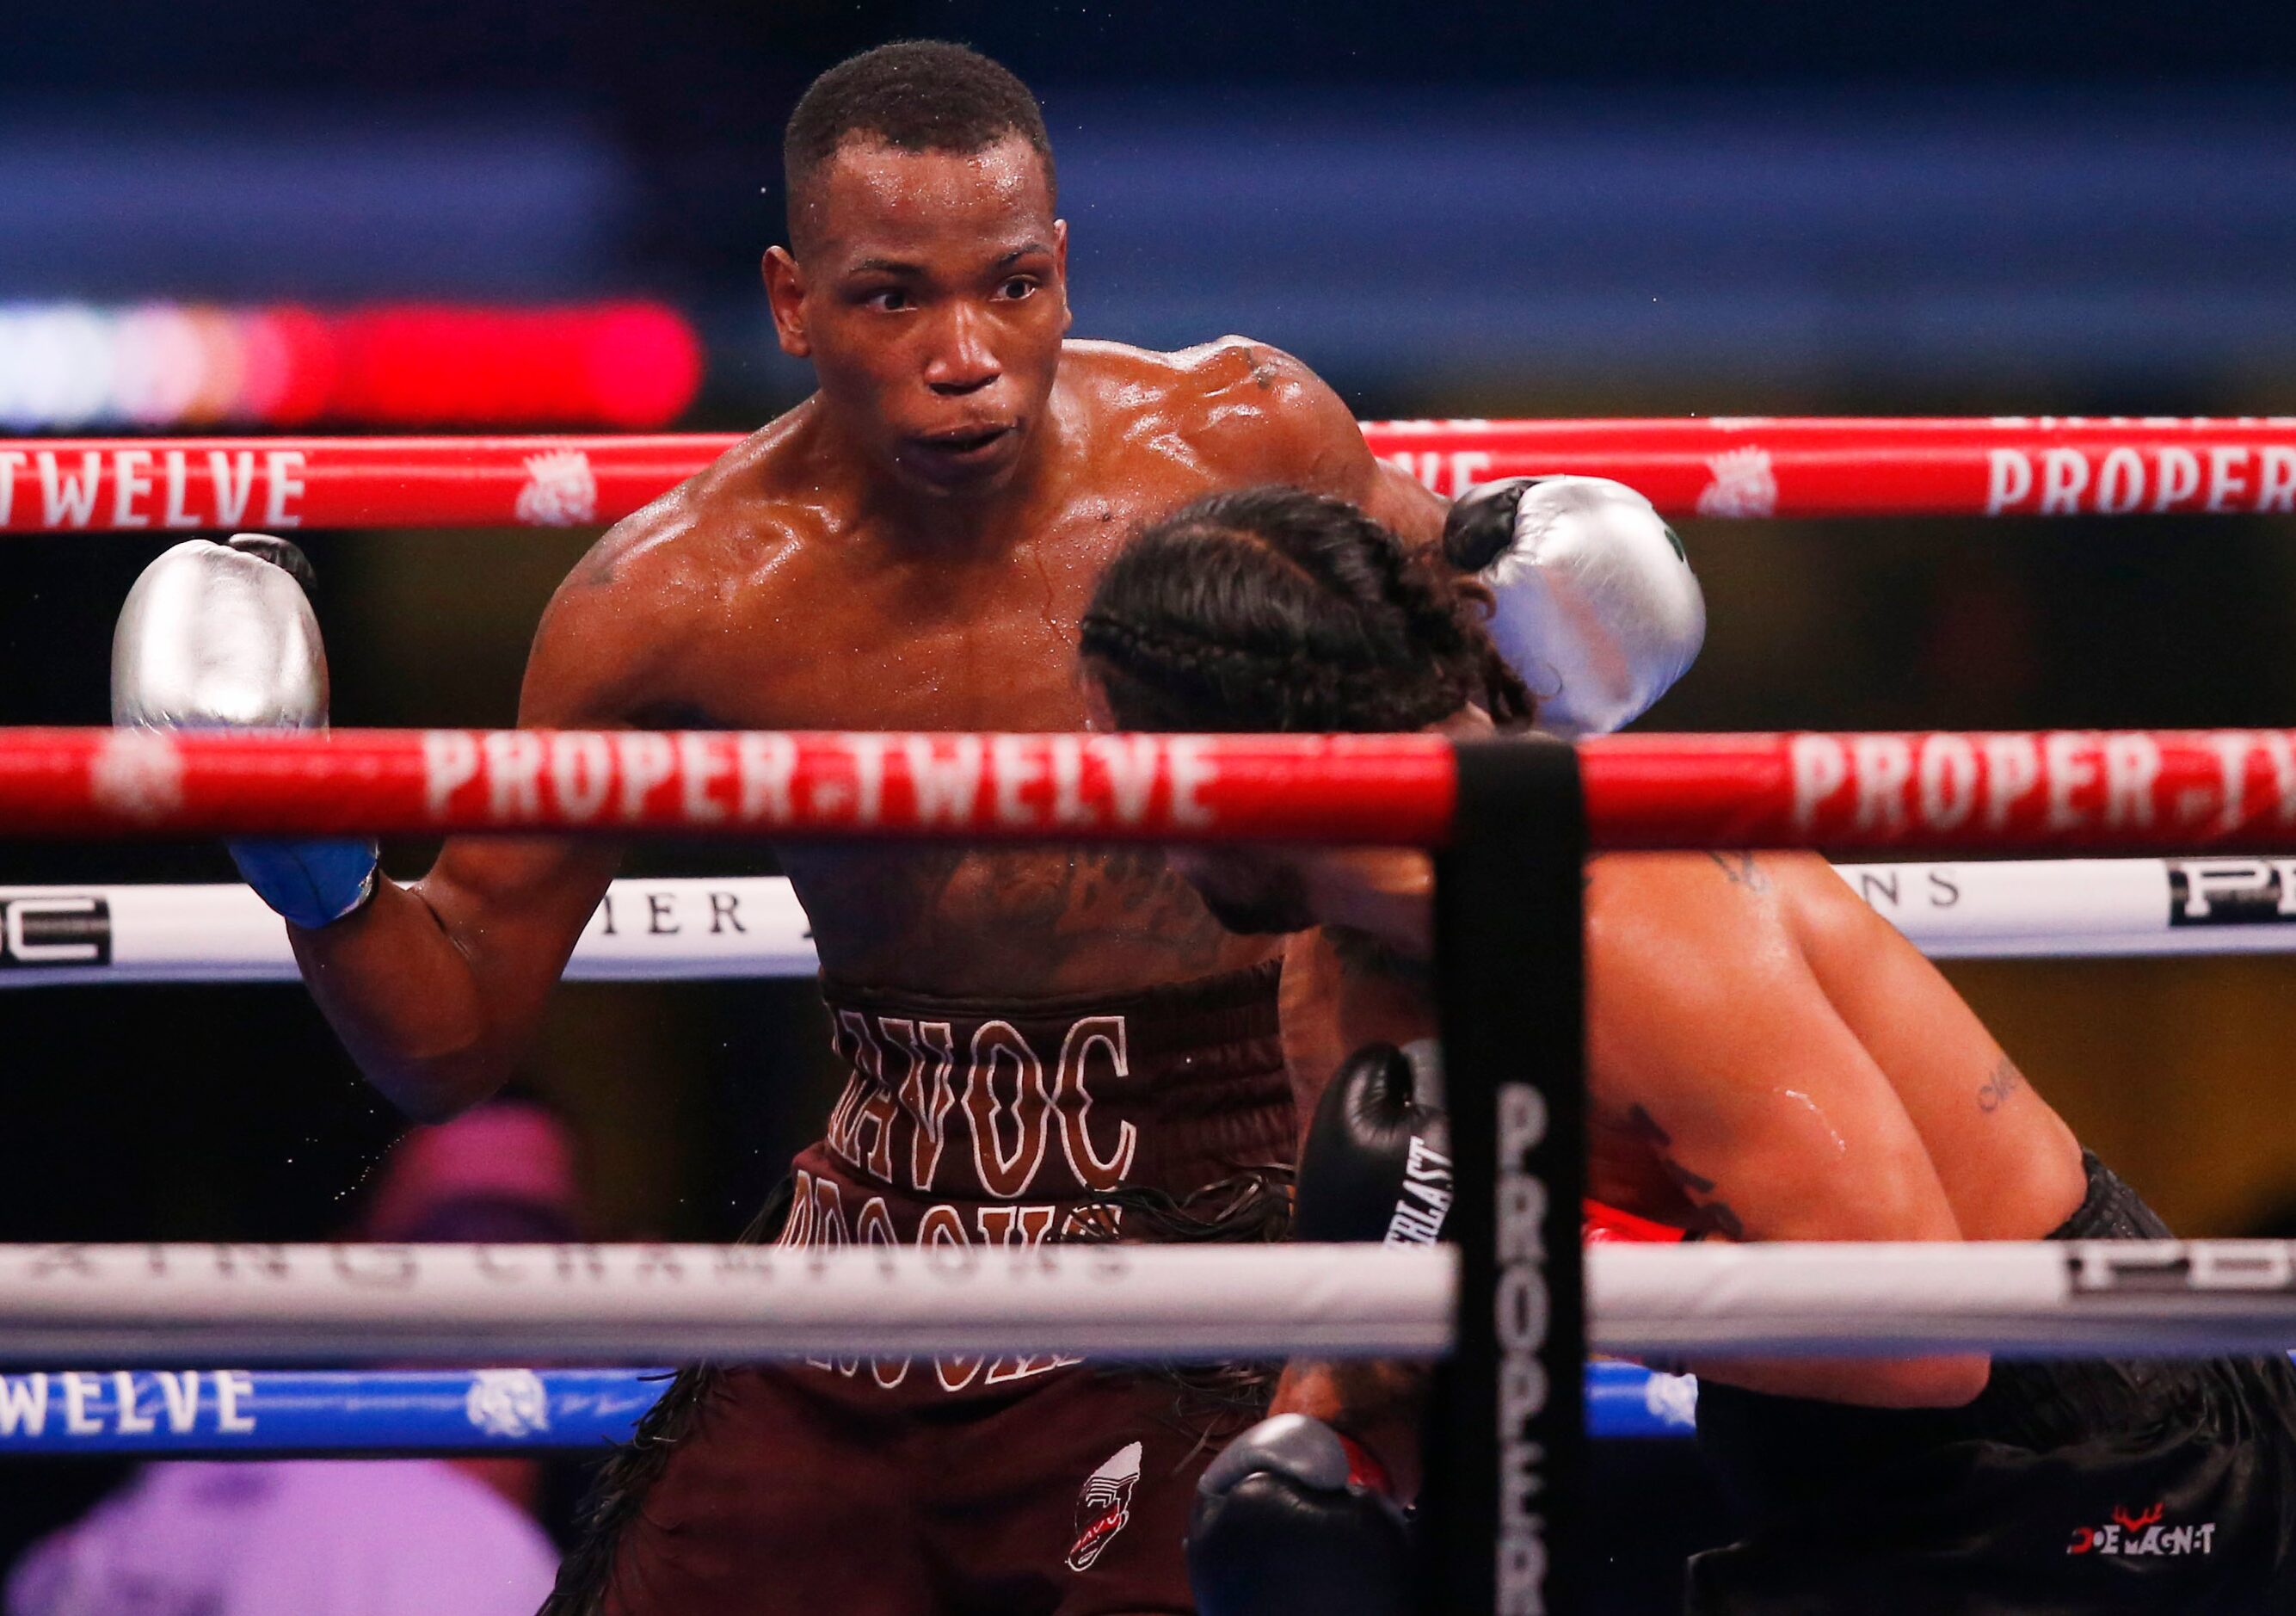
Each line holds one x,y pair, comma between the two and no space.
1250,412
1661,920
616,635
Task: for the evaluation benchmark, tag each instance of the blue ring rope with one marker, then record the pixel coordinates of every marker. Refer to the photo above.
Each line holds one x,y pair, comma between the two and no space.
268,1414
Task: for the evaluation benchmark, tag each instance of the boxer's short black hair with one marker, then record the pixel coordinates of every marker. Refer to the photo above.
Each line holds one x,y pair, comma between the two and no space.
1274,610
915,96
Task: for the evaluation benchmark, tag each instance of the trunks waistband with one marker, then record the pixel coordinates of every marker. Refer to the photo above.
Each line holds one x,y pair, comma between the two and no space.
1169,1019
1053,1102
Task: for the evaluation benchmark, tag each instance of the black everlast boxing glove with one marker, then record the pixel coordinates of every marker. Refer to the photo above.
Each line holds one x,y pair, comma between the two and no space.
1377,1162
1292,1516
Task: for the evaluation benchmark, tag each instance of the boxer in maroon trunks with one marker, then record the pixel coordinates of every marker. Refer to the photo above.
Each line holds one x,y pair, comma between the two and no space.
912,549
1010,1483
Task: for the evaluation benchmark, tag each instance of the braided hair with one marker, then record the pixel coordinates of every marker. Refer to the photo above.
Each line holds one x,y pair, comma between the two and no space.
1272,609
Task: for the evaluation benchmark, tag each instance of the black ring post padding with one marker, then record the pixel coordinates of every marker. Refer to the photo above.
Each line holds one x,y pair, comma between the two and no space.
1506,1470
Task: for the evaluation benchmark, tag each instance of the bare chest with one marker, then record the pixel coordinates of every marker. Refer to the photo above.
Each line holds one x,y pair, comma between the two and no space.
873,637
867,635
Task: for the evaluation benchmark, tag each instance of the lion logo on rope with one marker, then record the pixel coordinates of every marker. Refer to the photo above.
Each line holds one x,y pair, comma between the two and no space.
507,1402
561,491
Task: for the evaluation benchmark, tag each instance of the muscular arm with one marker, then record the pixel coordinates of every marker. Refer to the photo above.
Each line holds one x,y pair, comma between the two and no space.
1405,504
1339,993
1709,1035
437,989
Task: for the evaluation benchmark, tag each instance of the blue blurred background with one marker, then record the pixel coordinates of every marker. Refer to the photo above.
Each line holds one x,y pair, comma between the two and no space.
1681,205
1643,207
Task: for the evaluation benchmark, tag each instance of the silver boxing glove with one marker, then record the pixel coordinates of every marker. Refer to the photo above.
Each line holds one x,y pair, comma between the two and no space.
1595,606
220,636
223,636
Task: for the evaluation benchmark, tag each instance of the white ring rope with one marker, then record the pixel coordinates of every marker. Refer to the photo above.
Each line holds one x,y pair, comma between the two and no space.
2026,1298
751,926
690,928
2058,907
673,1303
602,1304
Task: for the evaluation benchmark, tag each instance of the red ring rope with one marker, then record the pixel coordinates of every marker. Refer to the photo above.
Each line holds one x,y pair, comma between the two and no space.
2125,790
1712,467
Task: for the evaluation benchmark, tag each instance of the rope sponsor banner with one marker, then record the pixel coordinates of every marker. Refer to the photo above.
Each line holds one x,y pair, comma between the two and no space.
258,1412
1758,466
690,928
1940,790
1715,466
253,1413
1946,791
2038,1299
616,1304
1505,1429
717,928
1069,787
2096,907
252,1304
242,1413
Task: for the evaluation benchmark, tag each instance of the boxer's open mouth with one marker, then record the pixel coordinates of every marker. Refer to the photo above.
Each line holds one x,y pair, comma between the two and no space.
964,446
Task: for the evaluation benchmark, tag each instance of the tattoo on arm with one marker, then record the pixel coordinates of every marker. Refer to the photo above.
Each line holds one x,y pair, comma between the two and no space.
1740,870
1713,1217
2004,1080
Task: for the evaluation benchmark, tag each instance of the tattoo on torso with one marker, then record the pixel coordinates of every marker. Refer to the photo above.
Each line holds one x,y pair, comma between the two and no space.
1740,870
2004,1080
1714,1217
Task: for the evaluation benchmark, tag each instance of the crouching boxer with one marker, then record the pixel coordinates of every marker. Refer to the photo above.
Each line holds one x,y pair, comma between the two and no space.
1768,1059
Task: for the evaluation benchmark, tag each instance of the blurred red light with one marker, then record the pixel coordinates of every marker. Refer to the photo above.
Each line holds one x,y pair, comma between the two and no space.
629,366
644,366
625,364
304,390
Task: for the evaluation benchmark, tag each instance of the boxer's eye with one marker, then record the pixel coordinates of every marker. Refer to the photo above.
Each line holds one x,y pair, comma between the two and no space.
886,300
1019,286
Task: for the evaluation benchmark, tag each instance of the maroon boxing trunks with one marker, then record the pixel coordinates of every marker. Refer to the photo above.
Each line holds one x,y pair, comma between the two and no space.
1011,1484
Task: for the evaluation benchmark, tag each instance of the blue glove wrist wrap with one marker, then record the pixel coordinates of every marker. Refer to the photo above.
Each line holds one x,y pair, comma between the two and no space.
312,882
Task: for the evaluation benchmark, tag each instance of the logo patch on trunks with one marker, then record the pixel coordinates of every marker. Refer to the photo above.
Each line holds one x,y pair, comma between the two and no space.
2132,1532
1104,1505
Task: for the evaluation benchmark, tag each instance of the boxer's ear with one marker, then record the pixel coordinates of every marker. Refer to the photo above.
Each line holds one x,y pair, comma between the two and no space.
1099,715
785,295
1470,723
1061,268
